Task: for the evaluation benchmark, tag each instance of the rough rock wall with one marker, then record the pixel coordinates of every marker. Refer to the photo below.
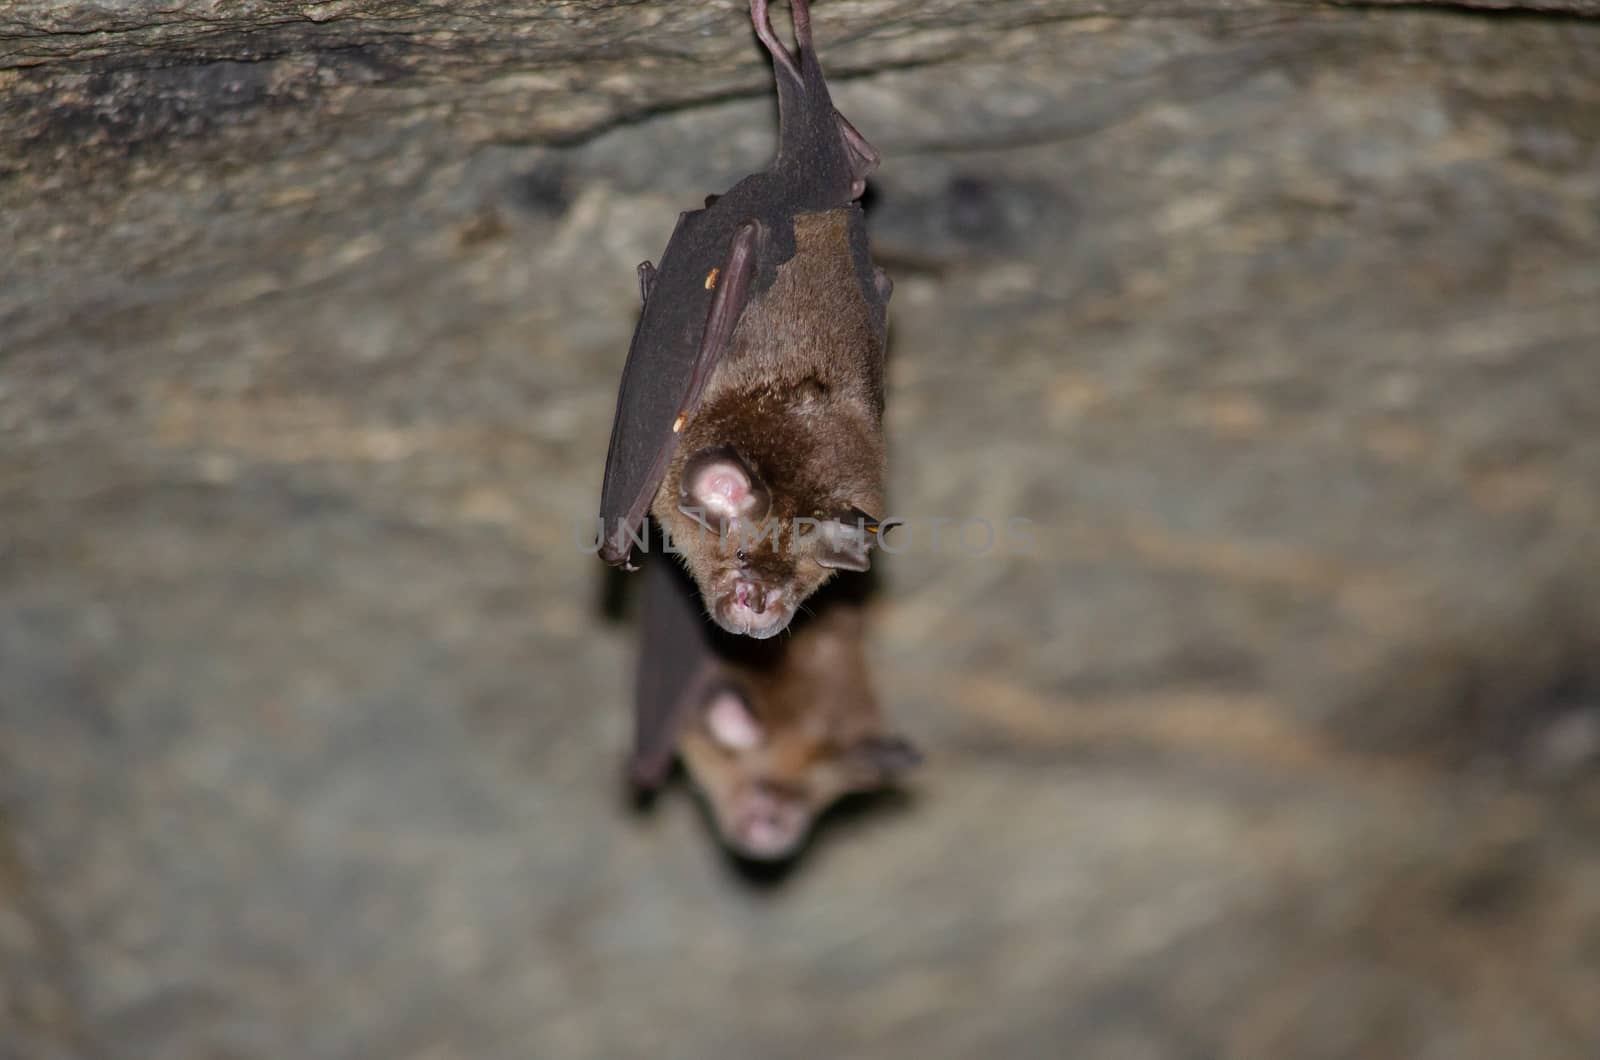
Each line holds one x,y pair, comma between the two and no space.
1280,322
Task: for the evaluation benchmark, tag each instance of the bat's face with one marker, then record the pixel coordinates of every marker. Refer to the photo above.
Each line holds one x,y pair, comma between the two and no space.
767,779
754,559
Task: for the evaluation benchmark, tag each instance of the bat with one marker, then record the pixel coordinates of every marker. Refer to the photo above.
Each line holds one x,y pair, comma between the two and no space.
749,419
771,732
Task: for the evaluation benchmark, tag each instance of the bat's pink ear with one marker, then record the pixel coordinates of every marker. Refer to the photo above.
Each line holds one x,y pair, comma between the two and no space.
719,488
731,723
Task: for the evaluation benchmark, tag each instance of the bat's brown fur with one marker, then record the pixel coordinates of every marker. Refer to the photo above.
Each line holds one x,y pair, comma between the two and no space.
799,398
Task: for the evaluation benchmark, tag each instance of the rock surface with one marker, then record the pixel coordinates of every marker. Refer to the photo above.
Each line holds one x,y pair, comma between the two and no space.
1279,325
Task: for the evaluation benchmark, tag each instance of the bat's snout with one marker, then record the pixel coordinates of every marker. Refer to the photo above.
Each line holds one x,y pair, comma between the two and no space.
755,597
767,828
751,609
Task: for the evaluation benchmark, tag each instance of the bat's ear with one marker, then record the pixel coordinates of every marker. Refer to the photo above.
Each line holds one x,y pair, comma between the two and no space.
882,757
844,543
731,722
718,488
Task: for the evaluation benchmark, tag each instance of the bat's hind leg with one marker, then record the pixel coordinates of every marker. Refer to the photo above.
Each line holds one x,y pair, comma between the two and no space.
763,24
800,11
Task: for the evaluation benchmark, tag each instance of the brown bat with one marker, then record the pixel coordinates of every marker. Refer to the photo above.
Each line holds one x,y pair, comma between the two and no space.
772,733
749,418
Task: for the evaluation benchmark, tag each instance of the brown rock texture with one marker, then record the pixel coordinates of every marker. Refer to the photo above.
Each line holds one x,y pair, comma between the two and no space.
1279,324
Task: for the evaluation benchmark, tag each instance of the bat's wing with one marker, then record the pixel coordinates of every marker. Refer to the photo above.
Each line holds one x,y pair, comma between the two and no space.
693,305
675,669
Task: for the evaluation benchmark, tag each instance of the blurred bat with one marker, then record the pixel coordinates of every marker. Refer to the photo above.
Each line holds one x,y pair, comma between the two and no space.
773,732
752,397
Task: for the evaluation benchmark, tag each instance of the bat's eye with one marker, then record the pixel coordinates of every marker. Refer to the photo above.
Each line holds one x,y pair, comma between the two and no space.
742,556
